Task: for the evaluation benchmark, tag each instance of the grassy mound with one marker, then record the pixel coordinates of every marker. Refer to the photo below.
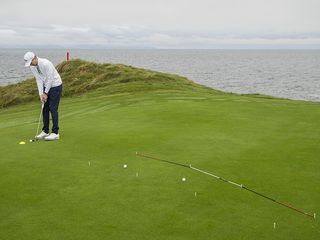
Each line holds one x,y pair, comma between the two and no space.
80,76
77,188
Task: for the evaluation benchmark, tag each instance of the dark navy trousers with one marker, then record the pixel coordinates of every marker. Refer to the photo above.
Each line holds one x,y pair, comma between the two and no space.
52,106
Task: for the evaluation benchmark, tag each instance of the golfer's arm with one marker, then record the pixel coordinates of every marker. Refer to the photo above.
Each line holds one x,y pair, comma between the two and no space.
49,78
40,86
39,83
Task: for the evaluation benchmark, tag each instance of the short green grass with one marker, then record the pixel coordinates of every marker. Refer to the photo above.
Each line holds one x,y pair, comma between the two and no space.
77,188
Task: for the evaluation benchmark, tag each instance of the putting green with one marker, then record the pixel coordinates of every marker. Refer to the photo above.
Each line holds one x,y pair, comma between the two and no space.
77,187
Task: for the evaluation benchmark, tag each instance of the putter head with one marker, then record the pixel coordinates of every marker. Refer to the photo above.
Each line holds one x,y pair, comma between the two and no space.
33,140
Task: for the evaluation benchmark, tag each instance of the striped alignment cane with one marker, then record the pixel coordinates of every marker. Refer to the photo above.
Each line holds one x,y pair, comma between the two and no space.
230,182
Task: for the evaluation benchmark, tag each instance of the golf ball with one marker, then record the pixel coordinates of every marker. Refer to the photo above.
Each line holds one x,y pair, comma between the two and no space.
30,140
125,166
184,179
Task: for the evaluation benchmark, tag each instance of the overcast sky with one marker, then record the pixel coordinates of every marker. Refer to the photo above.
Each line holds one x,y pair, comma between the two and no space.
160,24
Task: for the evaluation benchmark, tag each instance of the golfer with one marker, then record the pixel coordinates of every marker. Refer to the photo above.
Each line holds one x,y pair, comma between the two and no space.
50,88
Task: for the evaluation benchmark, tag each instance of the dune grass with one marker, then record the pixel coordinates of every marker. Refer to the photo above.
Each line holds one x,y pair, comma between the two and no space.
77,188
80,77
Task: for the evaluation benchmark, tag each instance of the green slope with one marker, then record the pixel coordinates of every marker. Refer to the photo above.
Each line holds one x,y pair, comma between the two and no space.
77,188
80,77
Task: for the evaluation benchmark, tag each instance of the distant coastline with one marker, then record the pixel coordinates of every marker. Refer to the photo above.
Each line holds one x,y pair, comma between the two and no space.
292,74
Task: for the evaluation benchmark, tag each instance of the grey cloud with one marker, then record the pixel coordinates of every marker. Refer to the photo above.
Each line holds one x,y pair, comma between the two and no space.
126,36
160,24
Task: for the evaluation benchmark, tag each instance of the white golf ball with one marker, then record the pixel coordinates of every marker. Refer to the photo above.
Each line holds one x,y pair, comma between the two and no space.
125,166
184,179
30,140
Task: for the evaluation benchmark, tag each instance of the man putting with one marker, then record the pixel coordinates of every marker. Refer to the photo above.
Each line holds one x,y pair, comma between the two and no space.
50,88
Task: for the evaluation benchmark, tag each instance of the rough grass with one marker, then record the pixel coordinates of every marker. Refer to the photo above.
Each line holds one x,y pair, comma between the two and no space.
80,77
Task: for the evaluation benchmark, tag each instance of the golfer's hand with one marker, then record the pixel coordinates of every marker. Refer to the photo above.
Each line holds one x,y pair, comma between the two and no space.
44,98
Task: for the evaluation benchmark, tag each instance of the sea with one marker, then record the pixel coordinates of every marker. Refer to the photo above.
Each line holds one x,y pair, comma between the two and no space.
291,74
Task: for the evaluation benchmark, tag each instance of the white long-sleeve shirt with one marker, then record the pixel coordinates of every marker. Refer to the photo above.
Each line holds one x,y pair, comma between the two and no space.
46,75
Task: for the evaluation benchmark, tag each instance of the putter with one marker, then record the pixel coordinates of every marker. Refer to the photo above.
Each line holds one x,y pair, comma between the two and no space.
35,139
232,183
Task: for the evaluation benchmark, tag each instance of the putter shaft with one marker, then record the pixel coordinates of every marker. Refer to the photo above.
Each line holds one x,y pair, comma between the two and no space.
39,120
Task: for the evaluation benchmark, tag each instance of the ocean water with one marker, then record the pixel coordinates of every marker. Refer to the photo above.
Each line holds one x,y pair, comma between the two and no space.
293,74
